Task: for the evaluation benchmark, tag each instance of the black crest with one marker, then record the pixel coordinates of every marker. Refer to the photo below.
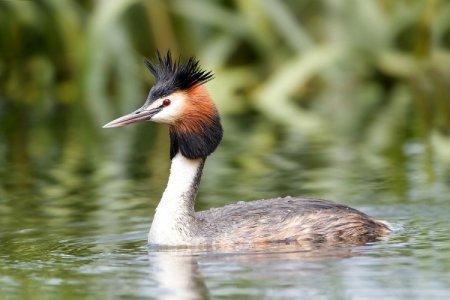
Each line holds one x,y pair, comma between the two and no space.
173,75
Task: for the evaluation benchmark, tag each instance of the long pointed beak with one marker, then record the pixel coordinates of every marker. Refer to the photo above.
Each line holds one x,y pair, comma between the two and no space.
139,115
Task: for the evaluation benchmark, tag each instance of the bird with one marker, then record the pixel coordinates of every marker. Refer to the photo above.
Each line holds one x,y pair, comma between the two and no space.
179,99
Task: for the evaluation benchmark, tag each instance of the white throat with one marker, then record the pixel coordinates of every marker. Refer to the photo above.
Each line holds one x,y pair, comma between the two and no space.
174,222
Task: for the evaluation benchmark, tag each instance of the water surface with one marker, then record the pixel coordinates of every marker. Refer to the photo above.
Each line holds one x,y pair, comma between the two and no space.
75,208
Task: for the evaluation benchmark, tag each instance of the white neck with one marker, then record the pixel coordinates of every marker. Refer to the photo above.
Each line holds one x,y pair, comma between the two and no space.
174,222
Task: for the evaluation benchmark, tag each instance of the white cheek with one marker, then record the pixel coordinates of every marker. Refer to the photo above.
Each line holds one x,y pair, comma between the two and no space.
169,114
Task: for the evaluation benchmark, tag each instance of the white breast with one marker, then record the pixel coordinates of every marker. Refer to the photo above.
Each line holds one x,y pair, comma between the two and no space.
174,222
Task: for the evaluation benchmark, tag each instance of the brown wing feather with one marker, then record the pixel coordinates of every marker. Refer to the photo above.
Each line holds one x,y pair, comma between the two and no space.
289,219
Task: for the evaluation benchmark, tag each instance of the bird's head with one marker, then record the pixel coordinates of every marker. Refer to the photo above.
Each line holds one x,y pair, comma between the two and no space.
180,100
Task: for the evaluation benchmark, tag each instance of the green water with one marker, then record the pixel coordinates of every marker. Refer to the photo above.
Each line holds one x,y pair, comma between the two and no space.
76,203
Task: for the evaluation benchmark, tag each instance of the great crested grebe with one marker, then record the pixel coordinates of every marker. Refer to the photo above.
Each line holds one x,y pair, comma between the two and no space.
180,100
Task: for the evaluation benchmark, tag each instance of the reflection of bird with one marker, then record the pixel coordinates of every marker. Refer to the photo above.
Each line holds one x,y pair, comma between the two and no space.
178,275
180,100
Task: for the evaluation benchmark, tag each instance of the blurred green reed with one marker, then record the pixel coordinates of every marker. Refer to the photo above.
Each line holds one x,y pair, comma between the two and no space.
376,73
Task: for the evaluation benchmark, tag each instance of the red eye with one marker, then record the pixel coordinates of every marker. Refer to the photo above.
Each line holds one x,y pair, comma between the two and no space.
166,102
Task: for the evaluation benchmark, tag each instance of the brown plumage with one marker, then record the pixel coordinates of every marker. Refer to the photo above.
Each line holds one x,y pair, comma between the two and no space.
198,113
288,220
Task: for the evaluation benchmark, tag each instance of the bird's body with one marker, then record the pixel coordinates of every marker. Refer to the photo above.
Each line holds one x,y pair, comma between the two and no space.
287,220
180,100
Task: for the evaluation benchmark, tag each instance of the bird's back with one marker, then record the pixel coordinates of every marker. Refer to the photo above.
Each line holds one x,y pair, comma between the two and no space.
288,220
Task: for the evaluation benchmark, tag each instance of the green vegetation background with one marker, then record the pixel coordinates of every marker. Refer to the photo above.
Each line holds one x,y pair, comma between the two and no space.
373,74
